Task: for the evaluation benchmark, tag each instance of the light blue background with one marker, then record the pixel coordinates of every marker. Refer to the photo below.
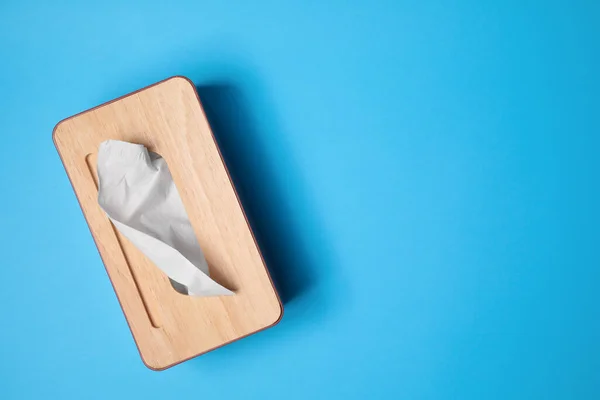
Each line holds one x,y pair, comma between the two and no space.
422,176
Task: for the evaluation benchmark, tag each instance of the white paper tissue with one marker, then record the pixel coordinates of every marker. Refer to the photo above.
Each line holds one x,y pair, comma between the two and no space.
138,194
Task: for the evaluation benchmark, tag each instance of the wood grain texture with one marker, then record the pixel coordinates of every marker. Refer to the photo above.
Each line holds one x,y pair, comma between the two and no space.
169,327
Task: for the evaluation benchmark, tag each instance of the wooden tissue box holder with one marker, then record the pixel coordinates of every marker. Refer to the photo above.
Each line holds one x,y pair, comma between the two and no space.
169,327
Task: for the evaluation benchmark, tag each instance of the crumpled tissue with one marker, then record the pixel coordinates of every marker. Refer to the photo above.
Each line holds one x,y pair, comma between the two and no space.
137,193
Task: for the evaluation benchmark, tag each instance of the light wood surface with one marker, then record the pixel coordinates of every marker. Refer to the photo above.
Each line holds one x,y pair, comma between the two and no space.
169,327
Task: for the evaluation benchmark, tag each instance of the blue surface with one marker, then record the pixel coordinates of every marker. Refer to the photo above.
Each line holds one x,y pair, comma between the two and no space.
423,178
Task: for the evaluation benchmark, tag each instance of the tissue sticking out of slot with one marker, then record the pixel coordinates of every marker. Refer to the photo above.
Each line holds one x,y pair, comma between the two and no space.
137,193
